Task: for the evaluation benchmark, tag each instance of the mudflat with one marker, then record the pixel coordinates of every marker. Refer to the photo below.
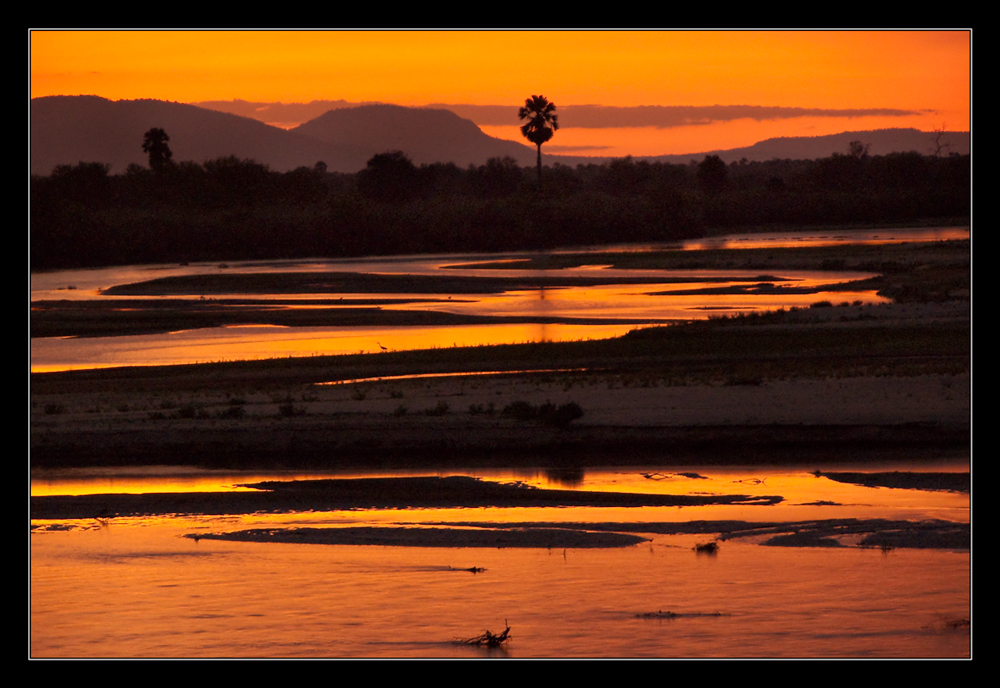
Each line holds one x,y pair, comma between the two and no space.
846,383
882,534
363,493
464,492
841,383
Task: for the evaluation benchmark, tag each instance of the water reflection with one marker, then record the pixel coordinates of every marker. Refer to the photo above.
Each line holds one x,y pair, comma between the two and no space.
806,494
137,588
567,313
827,238
256,343
565,477
141,591
87,284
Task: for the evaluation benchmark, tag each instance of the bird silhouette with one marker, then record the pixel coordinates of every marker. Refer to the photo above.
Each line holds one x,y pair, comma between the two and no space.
381,347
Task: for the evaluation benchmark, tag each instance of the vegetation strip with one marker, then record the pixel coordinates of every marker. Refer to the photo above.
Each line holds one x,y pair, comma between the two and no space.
231,209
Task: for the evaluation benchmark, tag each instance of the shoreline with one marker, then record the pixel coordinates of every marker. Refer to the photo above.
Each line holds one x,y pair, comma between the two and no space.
362,493
462,492
840,386
849,384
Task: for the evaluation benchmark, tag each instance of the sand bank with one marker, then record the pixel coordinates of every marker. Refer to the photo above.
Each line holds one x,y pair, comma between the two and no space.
849,384
364,493
867,533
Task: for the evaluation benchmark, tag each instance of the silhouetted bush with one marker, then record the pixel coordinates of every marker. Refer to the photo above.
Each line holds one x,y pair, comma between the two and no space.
547,413
519,410
712,174
441,409
290,410
389,177
233,413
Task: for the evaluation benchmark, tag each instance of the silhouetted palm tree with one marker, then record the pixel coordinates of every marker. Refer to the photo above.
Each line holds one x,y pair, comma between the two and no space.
155,144
541,125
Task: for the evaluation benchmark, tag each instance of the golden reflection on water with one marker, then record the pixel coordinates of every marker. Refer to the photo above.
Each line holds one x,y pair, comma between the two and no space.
666,296
649,303
86,284
138,589
806,496
135,587
632,306
249,343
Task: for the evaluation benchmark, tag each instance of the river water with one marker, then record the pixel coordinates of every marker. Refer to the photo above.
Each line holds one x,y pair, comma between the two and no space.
598,311
136,588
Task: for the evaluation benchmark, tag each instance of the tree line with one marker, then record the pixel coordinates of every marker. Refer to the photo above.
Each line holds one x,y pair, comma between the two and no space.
238,209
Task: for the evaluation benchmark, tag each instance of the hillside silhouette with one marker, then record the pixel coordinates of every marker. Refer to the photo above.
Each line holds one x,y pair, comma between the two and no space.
66,130
70,129
426,136
284,115
879,142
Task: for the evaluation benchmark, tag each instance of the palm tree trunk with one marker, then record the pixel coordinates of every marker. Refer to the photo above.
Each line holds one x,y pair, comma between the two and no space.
539,166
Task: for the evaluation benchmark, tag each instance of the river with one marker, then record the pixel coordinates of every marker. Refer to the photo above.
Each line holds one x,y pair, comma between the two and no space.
559,314
134,587
142,587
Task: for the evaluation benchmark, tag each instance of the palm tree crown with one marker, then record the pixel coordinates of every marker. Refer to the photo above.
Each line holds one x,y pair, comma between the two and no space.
154,143
542,122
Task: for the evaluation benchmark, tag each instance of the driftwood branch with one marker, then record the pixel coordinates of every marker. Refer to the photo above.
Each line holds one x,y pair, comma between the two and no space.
488,639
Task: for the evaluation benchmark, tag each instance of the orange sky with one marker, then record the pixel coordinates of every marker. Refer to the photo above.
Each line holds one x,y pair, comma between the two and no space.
926,73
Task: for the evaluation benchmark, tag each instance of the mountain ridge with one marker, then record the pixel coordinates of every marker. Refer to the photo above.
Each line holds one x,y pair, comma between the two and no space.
71,129
426,135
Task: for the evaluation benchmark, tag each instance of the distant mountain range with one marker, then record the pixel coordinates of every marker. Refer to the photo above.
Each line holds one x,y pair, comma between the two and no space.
879,141
72,129
426,136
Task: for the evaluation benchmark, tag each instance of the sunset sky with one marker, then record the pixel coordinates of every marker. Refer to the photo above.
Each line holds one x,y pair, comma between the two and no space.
796,83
